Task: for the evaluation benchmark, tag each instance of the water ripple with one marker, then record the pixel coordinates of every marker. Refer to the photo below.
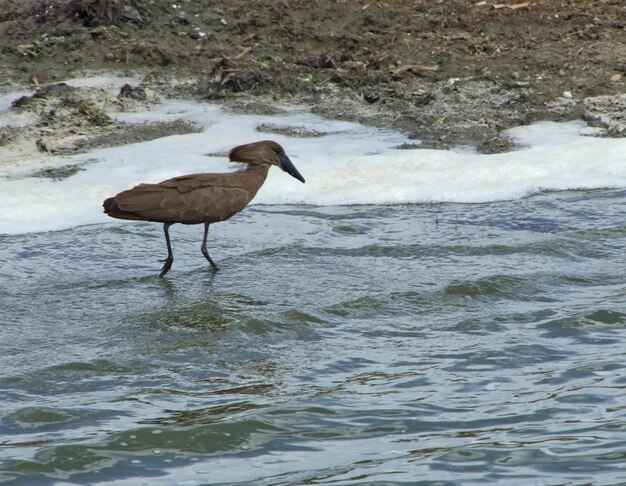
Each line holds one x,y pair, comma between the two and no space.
418,344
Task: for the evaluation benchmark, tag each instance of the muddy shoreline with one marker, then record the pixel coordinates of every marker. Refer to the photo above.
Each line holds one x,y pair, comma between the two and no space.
445,72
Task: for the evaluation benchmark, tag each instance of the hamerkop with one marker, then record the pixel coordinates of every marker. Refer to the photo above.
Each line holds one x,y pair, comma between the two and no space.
201,198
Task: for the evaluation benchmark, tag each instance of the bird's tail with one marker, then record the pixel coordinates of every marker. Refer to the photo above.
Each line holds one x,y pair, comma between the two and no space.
112,209
109,205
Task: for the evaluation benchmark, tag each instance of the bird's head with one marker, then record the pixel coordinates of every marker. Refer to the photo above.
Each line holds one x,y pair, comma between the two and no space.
265,152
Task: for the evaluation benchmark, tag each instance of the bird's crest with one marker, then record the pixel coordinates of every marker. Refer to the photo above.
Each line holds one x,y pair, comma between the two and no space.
264,152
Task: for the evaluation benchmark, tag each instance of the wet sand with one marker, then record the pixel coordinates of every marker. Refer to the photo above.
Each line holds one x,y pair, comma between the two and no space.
446,73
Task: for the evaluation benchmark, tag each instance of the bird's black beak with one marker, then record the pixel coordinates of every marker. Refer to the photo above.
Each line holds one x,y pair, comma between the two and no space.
289,168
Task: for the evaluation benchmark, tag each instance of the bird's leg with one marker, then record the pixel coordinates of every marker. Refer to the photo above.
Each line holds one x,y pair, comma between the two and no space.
203,248
170,256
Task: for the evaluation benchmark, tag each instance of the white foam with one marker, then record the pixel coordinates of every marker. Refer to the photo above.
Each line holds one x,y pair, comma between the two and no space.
109,82
353,164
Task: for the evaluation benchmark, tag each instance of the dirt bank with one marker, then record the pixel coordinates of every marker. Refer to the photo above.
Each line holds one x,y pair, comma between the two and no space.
446,71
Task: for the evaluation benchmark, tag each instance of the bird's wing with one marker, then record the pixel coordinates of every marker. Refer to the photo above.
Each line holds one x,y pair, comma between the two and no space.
190,182
185,199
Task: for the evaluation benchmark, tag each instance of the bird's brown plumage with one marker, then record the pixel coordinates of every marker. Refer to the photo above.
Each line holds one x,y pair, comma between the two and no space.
190,199
202,198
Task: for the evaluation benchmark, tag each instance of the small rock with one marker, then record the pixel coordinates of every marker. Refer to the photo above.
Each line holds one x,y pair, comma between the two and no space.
51,40
130,13
567,94
355,65
616,78
26,49
496,145
607,112
371,95
409,146
325,61
134,92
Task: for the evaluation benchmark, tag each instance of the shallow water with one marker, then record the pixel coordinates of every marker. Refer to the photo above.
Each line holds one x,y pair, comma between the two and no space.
410,344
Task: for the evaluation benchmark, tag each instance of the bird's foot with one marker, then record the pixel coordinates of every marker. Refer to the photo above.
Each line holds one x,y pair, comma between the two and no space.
210,260
167,266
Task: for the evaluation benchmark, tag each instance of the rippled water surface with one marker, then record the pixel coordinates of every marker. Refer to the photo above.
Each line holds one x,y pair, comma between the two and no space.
419,344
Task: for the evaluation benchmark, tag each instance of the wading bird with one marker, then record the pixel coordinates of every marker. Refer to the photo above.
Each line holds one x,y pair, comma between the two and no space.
201,198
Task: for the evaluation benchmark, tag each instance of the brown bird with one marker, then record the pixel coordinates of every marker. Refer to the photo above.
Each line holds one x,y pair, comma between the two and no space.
201,198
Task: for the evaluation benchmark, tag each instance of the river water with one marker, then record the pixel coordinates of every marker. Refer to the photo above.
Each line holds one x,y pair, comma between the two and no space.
432,337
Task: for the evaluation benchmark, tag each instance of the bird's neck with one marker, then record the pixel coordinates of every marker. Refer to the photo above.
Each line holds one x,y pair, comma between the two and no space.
256,175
